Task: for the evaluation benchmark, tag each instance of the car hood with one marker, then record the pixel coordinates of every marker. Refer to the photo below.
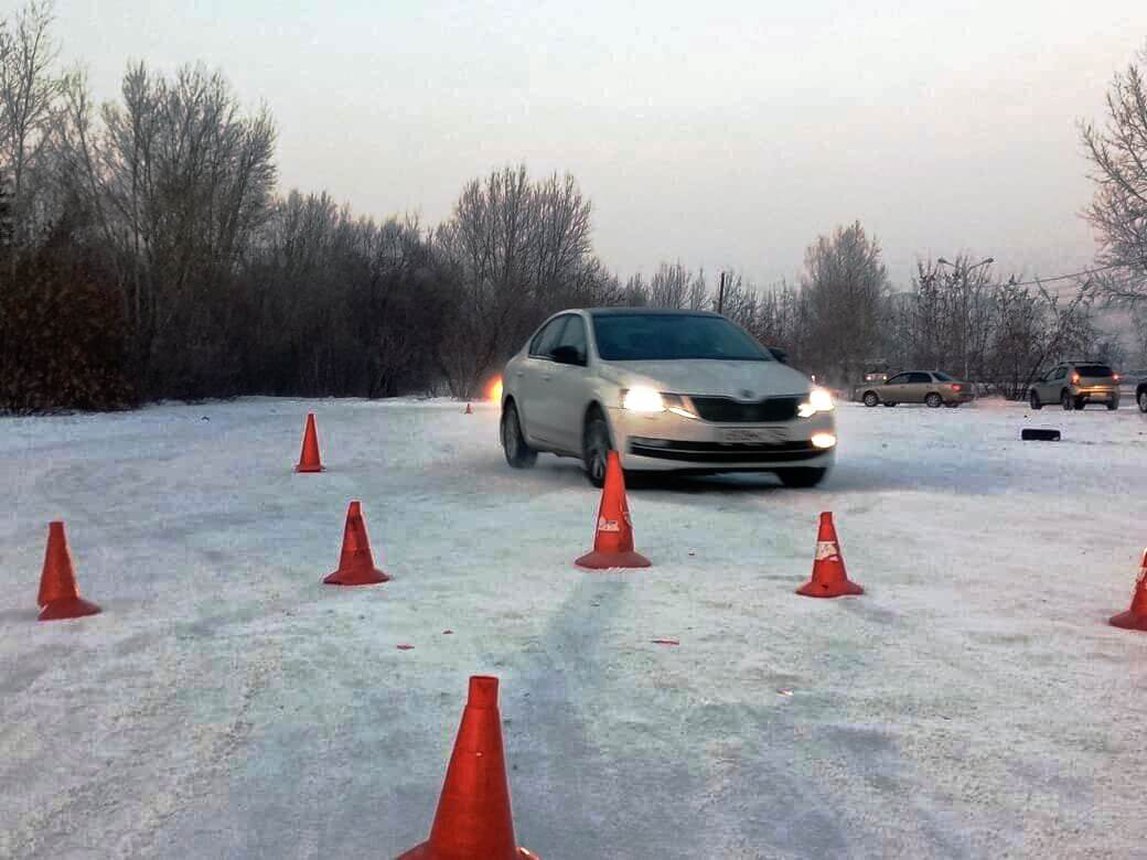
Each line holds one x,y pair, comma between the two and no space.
713,378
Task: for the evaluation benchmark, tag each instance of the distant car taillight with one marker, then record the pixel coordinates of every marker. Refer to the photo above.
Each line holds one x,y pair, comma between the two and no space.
956,386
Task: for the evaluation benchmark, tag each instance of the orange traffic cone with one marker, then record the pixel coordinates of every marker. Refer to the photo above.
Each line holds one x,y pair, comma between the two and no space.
613,536
829,578
473,820
356,563
309,459
469,409
58,598
1135,618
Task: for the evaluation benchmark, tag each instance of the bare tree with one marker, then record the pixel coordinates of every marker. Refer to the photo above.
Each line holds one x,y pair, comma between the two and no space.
844,283
29,96
519,251
1119,209
184,181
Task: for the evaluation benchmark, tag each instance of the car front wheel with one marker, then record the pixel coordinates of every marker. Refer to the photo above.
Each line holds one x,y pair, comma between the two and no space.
870,398
596,447
1066,401
1034,400
801,478
518,453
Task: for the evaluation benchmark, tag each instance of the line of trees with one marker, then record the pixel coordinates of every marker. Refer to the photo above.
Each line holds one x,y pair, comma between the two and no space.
145,253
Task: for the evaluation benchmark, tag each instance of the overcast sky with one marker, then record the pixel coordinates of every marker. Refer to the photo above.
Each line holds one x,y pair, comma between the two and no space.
721,134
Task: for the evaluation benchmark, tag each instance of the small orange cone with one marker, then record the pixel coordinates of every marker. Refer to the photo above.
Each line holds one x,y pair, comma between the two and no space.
469,409
309,459
1135,618
473,820
356,563
613,535
58,598
829,578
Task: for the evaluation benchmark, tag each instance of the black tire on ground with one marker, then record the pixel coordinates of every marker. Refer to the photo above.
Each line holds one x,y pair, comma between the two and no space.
1141,399
1112,405
1080,403
1065,400
933,400
1033,399
802,477
596,446
953,404
888,403
518,453
870,398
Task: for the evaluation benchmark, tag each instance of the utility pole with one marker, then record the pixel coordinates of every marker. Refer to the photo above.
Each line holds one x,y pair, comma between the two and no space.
721,294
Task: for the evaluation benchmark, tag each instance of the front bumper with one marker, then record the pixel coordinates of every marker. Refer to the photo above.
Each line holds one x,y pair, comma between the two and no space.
667,442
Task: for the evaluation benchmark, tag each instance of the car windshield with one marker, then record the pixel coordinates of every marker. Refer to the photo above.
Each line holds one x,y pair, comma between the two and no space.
670,337
1094,371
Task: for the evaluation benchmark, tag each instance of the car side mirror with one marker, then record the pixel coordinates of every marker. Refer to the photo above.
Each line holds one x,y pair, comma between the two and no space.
567,355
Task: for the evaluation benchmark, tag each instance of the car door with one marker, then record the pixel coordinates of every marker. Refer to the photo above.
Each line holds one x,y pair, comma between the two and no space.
894,389
919,384
1050,390
568,391
532,381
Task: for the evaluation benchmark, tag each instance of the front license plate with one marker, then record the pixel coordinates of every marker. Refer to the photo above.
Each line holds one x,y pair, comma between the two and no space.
750,436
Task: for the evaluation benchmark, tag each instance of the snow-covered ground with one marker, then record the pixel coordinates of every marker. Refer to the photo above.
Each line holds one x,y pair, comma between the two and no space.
973,702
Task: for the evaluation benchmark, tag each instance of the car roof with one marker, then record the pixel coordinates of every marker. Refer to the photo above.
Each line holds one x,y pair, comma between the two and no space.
631,311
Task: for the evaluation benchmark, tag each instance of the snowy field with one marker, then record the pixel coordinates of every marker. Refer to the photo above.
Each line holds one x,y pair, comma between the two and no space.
973,703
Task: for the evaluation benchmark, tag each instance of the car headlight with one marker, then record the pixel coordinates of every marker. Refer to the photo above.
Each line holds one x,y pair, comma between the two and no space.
642,398
648,401
818,400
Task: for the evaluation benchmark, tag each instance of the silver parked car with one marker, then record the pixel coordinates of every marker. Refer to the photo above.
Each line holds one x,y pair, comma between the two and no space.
669,390
1074,384
931,387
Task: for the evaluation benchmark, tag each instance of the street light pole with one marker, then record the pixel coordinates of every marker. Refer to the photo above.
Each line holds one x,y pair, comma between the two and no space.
962,271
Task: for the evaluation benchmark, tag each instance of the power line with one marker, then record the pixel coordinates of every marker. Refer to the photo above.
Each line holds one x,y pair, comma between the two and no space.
1042,281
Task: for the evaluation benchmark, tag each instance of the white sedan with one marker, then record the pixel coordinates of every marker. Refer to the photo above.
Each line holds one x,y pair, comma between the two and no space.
668,390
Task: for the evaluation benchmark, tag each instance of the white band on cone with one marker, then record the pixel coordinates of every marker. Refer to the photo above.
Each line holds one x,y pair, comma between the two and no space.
826,550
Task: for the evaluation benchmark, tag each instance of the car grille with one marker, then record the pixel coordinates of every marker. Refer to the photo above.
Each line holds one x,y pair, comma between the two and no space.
727,410
713,453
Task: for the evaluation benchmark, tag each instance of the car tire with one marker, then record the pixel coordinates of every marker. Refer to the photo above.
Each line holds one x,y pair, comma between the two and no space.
1141,399
933,400
1080,402
952,404
596,446
1112,405
870,399
1033,399
801,478
888,403
518,452
1066,401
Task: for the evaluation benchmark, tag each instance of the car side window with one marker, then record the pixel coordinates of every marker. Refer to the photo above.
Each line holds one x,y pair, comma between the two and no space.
1059,373
545,340
898,379
919,377
573,335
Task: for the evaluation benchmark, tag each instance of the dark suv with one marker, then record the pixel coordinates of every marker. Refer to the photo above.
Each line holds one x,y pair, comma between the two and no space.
1074,384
